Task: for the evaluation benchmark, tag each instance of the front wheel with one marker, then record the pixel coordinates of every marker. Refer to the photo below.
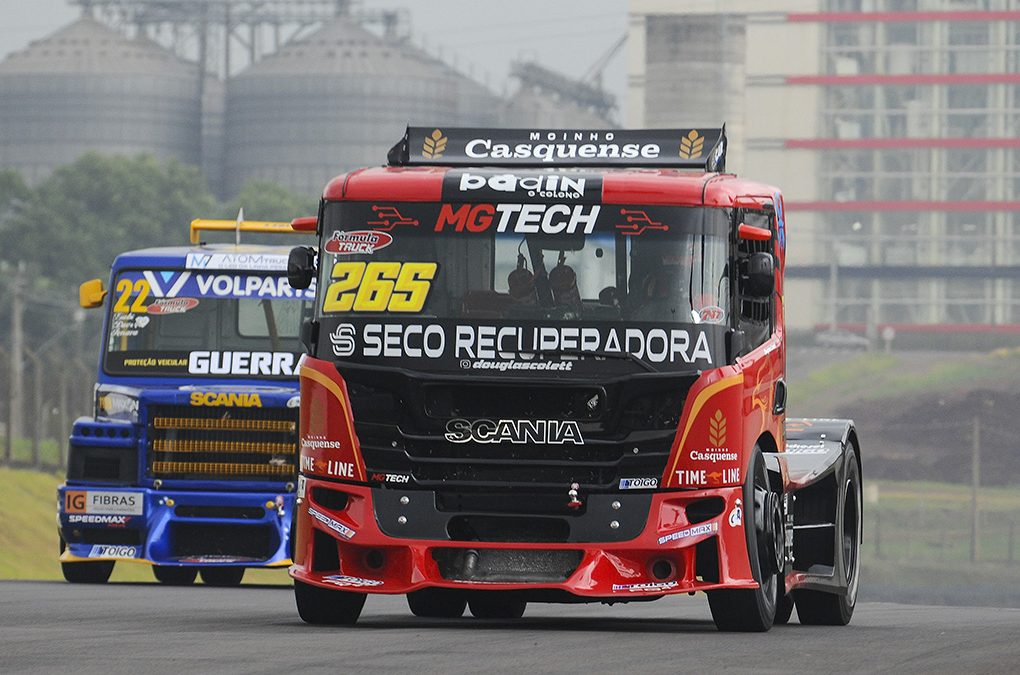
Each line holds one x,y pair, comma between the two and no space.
496,605
437,603
87,572
174,576
818,608
222,576
754,610
327,607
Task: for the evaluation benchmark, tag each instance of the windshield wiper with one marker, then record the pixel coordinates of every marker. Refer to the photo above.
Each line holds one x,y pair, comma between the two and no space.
625,356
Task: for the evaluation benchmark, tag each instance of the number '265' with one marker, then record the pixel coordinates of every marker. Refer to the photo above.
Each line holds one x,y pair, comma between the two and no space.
379,286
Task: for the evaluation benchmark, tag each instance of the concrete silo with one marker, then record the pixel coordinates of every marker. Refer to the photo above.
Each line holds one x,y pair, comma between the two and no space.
338,99
87,87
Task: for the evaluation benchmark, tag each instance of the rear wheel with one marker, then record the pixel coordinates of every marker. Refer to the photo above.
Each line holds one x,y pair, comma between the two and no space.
437,603
830,609
87,572
496,605
327,607
174,576
222,576
754,610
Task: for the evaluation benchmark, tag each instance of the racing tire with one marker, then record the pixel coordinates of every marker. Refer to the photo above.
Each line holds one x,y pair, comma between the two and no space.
437,603
326,607
87,572
751,610
221,576
818,608
174,576
784,610
496,605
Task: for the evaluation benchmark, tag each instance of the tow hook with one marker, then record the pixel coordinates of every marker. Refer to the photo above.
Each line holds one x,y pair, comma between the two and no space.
574,502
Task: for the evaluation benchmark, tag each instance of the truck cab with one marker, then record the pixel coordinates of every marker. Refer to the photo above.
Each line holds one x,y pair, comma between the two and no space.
188,460
549,366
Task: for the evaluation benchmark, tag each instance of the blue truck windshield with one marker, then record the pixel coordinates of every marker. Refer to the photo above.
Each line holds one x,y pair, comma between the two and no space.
205,324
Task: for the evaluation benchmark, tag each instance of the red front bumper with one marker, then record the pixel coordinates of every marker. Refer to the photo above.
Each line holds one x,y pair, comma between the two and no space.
354,552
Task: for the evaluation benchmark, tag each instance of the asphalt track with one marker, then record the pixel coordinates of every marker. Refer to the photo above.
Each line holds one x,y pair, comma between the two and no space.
51,627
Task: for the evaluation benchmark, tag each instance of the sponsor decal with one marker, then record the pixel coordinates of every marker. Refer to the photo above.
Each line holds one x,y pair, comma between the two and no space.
692,145
695,531
736,515
557,145
777,201
357,242
212,398
434,145
391,478
342,340
294,401
86,519
114,503
519,218
214,559
554,432
711,314
242,363
704,477
172,305
513,364
379,286
355,582
260,262
133,289
109,551
331,523
127,325
340,469
317,442
638,483
307,463
113,404
389,217
638,222
468,343
646,587
302,486
713,455
806,448
496,185
717,429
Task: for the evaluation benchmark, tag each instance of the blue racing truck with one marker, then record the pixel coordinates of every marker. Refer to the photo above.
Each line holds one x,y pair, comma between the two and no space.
189,460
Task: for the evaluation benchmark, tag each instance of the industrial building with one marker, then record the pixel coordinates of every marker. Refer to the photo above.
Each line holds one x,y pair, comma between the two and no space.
892,126
290,93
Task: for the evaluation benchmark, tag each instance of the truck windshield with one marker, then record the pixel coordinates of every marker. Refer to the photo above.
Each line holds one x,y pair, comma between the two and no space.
205,324
508,287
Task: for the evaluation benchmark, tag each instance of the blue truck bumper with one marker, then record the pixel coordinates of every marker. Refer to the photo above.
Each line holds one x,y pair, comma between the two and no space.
167,527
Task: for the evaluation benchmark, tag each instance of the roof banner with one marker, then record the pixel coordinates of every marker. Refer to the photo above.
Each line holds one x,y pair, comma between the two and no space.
703,148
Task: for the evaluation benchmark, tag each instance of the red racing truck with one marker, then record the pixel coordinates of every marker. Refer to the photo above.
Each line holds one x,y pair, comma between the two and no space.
548,366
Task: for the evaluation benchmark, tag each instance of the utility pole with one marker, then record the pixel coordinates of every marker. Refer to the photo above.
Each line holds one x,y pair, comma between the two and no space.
975,475
15,418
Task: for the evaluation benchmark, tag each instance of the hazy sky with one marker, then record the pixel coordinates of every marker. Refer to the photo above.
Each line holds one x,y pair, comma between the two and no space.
566,35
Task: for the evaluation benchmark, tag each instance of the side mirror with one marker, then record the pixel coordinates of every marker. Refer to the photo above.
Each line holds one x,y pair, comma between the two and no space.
301,267
91,294
761,276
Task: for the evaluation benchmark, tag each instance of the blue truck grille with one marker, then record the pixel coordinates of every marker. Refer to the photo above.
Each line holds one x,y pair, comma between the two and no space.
242,444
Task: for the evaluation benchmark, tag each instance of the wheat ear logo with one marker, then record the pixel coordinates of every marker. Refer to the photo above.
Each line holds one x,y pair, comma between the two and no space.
435,145
717,430
691,145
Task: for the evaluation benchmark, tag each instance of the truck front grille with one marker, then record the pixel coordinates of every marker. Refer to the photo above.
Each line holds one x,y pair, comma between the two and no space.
222,443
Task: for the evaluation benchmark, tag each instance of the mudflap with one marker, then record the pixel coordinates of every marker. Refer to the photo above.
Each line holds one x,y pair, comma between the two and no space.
815,467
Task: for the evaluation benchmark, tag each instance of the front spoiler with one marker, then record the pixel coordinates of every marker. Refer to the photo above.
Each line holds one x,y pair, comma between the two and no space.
153,544
369,560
